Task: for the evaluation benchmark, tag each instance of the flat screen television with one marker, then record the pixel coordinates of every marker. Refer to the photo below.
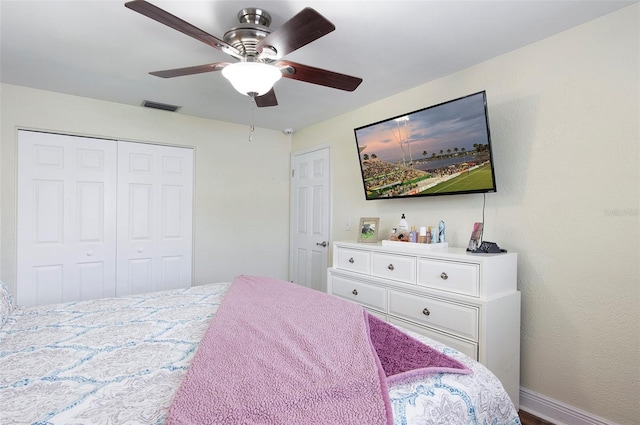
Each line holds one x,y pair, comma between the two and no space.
444,149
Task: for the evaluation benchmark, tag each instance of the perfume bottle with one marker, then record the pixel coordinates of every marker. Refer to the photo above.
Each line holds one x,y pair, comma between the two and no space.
413,235
422,236
441,230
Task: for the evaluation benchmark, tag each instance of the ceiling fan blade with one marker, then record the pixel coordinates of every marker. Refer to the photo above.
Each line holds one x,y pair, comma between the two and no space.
267,99
309,74
190,70
302,29
164,17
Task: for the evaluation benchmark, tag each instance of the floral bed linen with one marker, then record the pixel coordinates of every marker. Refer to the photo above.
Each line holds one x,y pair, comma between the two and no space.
120,361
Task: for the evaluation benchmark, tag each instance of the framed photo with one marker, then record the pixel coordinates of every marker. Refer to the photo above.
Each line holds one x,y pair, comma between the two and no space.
476,237
368,230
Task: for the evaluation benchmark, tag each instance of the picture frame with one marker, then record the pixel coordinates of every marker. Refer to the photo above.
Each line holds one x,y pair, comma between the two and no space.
368,229
476,236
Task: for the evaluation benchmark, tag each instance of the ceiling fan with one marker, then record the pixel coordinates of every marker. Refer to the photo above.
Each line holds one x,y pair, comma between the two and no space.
258,51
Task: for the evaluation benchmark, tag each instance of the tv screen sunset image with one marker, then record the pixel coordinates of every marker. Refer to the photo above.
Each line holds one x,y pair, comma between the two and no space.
440,150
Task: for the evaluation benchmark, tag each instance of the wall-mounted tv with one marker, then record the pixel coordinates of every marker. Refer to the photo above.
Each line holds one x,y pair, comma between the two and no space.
444,149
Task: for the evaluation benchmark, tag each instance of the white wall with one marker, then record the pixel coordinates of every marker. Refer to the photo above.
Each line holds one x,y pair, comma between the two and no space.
241,214
564,115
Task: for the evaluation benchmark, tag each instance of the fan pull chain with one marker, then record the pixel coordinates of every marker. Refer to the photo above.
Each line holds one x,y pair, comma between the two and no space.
252,112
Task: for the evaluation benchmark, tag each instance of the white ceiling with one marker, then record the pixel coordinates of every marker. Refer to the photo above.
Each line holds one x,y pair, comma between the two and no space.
102,50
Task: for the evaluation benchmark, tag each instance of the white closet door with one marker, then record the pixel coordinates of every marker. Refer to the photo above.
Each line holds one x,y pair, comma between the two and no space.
155,191
66,228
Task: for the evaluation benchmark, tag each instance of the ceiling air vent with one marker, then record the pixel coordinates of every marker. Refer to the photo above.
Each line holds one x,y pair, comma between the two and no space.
158,105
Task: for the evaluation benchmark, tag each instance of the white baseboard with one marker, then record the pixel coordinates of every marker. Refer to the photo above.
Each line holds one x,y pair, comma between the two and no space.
556,411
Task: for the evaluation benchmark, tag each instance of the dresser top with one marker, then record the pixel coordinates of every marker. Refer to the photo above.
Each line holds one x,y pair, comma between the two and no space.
416,249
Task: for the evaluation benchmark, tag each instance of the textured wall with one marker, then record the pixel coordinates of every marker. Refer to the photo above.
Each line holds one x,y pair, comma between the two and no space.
564,115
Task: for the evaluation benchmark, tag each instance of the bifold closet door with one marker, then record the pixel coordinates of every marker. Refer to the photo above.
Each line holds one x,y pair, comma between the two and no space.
100,218
66,228
154,240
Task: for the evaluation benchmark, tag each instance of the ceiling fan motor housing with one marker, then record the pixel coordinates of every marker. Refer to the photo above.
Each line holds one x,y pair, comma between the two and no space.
253,28
254,15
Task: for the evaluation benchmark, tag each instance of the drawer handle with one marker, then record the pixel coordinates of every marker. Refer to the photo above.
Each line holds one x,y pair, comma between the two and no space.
354,292
390,267
444,276
426,311
351,260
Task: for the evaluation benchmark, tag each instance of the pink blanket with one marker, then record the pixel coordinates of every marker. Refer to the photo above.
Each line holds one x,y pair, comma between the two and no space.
279,353
404,358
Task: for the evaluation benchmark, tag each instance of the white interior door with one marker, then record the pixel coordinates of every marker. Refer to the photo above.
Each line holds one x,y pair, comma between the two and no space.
66,227
155,192
310,218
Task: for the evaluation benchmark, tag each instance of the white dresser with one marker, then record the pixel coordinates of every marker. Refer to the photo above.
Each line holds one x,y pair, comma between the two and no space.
467,301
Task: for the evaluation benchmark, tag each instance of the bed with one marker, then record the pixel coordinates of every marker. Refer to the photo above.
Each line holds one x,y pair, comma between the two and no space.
121,361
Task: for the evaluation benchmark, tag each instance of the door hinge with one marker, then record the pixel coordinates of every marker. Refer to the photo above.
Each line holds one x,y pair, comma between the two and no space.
293,173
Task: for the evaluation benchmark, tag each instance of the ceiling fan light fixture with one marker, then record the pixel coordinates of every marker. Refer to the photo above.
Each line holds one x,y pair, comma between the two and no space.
252,77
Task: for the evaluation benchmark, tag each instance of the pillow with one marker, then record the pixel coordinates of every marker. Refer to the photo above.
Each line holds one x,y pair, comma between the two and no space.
6,303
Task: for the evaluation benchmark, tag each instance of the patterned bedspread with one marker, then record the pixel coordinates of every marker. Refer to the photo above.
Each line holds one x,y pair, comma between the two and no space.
120,360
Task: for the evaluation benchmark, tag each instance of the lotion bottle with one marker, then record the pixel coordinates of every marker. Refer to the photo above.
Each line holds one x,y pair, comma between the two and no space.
403,227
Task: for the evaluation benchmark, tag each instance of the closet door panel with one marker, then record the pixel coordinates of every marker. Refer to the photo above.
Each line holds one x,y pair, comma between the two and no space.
172,212
141,219
91,283
138,278
155,192
91,214
47,212
45,284
66,218
172,269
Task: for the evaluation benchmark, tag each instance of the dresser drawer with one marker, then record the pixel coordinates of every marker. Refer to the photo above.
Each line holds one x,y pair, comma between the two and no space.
362,293
396,267
464,346
353,260
461,278
460,320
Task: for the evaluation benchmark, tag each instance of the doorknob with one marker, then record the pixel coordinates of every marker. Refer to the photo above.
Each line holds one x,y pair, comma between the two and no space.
322,244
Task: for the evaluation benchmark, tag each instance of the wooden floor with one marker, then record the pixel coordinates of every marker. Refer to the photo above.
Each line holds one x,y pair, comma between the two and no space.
529,419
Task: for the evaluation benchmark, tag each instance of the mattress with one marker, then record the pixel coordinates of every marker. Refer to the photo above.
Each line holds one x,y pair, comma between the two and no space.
120,361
